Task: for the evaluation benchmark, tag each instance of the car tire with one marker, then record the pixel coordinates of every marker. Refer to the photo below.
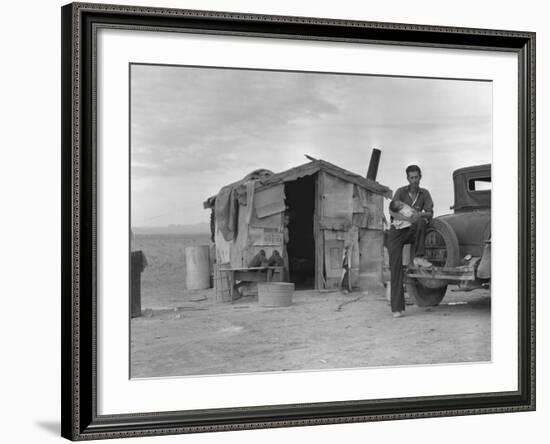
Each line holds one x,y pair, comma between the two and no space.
430,292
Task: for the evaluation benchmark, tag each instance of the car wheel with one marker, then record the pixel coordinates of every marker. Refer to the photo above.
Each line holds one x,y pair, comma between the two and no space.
443,251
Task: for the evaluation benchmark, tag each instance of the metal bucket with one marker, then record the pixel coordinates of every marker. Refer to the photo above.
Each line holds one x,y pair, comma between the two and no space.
197,267
275,294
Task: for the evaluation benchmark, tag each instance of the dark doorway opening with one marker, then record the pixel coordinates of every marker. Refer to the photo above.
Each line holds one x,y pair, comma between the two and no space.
300,200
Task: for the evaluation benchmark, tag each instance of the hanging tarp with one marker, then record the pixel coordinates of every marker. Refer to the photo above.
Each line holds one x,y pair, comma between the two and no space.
227,213
223,248
250,185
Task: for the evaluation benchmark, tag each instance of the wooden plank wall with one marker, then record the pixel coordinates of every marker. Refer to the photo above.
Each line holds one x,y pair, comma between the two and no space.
318,233
251,240
361,228
333,259
372,245
353,217
337,203
371,264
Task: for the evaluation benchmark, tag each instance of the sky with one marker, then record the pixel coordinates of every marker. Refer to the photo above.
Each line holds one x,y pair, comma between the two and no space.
196,129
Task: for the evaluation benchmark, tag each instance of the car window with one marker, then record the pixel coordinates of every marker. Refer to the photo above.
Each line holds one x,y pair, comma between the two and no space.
479,184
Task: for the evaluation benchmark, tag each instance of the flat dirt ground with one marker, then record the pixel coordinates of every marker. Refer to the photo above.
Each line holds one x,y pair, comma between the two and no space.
196,336
186,333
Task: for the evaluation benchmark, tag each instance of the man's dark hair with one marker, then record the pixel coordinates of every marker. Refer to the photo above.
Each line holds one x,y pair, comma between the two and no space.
412,169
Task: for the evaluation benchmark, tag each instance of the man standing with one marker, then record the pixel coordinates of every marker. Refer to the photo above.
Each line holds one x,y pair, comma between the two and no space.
413,232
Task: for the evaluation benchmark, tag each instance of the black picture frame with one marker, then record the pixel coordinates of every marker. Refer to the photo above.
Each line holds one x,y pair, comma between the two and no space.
80,420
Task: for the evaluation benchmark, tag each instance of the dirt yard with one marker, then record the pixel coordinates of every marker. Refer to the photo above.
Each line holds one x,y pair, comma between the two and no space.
194,336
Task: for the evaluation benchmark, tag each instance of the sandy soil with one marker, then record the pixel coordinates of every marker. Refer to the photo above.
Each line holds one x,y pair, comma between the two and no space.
191,335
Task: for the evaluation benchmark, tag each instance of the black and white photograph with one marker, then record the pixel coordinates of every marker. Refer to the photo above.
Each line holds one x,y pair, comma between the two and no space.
286,221
275,222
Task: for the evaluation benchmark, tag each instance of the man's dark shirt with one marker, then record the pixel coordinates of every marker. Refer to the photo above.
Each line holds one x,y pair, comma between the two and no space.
423,202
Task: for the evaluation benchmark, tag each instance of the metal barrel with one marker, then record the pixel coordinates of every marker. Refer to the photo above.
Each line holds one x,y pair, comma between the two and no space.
197,267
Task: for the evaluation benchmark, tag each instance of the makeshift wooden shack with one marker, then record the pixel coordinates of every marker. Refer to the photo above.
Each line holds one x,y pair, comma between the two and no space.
309,214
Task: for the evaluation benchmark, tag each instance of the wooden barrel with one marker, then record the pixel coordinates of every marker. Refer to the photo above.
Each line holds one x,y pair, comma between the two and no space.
275,294
197,267
222,291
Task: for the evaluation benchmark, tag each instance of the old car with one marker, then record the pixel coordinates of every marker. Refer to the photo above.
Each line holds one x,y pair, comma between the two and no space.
458,244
